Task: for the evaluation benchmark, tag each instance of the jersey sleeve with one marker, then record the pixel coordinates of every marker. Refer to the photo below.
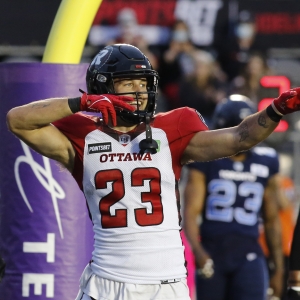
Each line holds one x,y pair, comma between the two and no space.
274,165
75,128
189,123
272,159
269,157
180,126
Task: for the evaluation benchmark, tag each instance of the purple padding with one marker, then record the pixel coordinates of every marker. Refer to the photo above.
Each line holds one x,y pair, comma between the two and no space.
46,235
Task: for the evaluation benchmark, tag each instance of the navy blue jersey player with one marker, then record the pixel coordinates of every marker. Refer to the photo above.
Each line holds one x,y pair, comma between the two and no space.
230,195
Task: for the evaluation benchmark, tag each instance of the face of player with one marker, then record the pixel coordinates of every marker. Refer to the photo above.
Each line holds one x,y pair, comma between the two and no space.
130,85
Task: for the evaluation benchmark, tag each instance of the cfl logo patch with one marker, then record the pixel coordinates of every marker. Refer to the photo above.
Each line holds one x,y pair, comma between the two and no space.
124,139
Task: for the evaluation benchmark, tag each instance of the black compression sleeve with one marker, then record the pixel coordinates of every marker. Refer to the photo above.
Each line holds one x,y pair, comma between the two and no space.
74,104
272,114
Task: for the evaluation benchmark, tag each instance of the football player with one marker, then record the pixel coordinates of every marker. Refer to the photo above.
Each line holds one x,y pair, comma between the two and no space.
230,195
127,161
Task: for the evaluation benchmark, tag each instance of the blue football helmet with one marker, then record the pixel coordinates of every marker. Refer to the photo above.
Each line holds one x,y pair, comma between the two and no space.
232,111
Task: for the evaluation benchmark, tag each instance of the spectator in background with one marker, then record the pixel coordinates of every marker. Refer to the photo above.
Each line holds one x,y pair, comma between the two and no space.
234,53
129,34
205,86
176,62
248,81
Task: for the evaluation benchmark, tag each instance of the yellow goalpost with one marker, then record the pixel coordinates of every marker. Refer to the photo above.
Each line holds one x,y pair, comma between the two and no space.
69,31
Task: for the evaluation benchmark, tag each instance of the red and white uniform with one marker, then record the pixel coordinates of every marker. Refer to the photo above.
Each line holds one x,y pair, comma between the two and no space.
133,199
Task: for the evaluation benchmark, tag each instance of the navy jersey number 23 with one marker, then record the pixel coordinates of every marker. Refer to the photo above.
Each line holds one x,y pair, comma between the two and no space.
235,192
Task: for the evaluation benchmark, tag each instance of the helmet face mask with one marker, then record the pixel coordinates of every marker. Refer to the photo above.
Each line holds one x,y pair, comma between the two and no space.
123,61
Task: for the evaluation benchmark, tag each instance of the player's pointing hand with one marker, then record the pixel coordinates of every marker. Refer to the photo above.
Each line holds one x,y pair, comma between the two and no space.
288,102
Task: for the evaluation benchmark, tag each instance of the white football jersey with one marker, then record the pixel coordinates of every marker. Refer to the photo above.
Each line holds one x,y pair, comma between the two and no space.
133,198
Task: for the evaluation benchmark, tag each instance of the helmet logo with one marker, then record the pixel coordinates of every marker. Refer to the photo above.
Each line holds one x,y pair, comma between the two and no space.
140,67
101,78
101,58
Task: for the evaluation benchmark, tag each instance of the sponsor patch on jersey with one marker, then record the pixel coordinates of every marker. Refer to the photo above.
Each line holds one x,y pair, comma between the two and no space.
99,147
124,139
259,170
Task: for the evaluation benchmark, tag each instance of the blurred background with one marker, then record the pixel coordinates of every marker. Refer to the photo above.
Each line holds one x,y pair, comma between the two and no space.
204,50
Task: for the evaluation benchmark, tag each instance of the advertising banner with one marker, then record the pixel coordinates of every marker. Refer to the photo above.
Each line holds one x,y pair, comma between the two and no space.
46,235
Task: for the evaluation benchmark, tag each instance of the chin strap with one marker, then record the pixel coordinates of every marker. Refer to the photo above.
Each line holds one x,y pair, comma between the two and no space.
148,145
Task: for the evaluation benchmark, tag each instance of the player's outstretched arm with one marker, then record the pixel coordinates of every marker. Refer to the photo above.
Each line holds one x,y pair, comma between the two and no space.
214,144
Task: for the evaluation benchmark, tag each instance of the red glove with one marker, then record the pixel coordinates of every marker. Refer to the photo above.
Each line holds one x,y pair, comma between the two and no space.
106,104
287,102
